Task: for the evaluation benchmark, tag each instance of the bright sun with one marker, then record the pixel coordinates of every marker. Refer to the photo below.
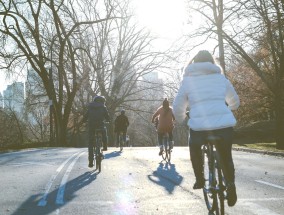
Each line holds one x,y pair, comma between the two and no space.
164,18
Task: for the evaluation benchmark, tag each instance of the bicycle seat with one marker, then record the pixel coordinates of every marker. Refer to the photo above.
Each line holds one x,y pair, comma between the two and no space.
213,139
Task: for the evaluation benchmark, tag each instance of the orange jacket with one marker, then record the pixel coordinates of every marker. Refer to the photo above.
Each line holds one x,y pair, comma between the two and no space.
166,119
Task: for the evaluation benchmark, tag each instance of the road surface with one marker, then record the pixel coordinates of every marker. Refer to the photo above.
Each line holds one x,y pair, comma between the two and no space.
57,181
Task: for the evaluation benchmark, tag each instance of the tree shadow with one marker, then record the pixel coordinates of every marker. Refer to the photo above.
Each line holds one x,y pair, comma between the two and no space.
30,207
166,176
112,154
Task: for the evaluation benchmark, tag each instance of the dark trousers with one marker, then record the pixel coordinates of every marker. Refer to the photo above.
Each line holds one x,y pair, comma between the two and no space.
224,148
161,135
92,143
123,135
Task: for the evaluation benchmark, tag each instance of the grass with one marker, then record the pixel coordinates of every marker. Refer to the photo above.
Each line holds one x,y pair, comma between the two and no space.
260,146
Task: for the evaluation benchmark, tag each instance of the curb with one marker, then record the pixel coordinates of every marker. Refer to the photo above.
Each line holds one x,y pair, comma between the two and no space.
280,154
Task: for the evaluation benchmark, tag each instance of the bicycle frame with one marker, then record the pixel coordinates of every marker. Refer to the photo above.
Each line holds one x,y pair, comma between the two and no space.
214,186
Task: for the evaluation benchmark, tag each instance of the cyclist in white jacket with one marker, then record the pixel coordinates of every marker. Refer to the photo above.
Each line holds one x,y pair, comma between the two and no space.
210,98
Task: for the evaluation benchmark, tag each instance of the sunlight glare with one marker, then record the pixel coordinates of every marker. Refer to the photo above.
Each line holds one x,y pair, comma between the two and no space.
164,18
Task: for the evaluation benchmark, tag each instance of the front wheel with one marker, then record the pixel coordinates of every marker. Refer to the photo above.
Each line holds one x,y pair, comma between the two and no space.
168,154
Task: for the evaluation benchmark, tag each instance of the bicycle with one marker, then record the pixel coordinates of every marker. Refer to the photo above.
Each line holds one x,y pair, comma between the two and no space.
214,189
98,151
166,155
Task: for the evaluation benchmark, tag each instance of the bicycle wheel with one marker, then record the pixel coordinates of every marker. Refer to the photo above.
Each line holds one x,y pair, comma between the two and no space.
98,157
168,153
209,191
165,153
221,187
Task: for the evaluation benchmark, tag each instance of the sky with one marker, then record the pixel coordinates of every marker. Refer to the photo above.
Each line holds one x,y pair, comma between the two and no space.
166,19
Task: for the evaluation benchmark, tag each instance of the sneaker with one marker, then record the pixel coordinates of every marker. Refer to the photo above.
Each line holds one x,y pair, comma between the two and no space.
231,195
199,184
91,164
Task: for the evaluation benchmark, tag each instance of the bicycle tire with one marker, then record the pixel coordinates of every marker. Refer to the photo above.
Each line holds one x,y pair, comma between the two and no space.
222,188
210,194
164,156
98,156
169,154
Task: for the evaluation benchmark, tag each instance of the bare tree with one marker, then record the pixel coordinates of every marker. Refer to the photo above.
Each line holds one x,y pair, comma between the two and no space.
254,31
263,35
116,58
43,35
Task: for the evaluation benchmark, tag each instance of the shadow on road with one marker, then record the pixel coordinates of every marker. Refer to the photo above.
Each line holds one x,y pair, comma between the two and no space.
30,207
166,176
112,154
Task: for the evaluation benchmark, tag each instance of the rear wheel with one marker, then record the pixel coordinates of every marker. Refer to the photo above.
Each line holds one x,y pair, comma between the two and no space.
222,188
209,190
168,153
164,155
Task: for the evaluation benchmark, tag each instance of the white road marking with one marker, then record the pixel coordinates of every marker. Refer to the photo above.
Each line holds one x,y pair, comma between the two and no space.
257,209
270,184
29,163
43,201
60,193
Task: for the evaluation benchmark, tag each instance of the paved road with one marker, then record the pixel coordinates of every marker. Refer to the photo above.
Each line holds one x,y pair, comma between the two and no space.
58,182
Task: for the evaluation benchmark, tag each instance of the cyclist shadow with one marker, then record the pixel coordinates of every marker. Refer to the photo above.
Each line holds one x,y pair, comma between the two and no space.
30,207
166,176
112,154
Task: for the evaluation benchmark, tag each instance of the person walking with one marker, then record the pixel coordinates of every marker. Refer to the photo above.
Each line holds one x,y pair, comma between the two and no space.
121,124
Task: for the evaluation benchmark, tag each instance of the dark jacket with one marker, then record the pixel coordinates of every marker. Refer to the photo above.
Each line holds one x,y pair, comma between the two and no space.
97,114
121,123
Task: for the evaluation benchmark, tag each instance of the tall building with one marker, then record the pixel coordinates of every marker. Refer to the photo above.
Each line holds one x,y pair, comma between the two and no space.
154,86
37,108
13,97
34,86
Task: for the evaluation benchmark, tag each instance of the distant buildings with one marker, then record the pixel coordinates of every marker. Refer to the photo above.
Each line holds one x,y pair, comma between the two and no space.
14,97
18,94
154,86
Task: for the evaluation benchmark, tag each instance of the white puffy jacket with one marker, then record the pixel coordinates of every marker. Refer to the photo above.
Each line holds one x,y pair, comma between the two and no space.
205,90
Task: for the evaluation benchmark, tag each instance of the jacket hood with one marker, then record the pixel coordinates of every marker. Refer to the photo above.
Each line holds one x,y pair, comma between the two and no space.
204,68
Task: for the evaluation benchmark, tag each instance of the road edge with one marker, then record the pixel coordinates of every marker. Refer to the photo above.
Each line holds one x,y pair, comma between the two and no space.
279,154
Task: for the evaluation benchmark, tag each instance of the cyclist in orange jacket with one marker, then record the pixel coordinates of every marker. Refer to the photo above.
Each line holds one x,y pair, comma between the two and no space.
165,121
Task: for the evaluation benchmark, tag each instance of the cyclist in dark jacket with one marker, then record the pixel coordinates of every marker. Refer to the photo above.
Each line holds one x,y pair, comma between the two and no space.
120,125
97,115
